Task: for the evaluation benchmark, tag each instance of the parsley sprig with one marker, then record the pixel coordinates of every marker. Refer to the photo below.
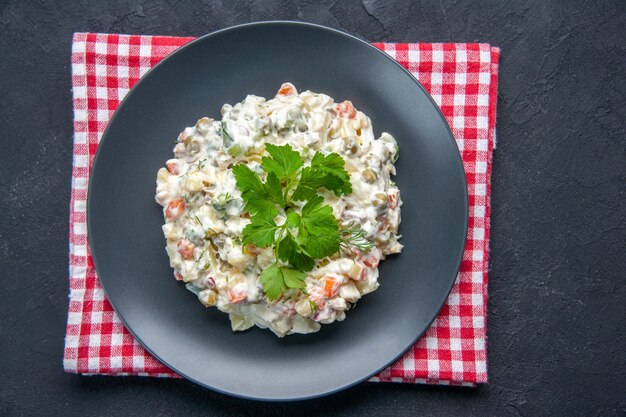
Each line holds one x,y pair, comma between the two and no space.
305,234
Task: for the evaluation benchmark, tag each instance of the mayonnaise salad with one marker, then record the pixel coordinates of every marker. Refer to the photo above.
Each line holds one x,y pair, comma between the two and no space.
205,216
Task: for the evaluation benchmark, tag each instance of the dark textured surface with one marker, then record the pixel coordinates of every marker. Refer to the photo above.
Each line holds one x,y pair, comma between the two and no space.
557,280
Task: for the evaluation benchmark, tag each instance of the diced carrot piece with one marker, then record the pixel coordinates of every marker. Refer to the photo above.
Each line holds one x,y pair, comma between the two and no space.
237,296
179,276
371,260
287,89
330,286
175,209
346,109
173,166
185,248
393,201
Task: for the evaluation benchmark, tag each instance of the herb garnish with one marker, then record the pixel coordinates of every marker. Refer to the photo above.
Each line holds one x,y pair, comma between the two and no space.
306,234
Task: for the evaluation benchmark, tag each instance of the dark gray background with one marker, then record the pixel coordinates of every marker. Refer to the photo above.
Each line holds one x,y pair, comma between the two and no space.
557,293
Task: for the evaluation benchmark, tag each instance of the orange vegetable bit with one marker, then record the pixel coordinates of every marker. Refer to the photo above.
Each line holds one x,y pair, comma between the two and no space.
330,286
393,201
179,276
346,109
371,260
175,209
287,89
237,296
185,248
173,167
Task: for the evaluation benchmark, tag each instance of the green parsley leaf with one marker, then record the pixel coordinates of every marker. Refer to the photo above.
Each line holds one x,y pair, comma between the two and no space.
276,279
293,219
273,189
273,282
319,230
293,278
325,171
310,181
248,181
333,165
253,192
290,251
261,231
284,162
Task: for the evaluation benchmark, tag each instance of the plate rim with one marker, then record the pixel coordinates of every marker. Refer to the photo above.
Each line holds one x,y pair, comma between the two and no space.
169,57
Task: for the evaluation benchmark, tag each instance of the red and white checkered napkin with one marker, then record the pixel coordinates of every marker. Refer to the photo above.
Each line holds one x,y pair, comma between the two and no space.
462,78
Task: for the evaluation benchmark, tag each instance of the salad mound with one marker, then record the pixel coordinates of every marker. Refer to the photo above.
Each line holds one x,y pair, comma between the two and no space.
279,213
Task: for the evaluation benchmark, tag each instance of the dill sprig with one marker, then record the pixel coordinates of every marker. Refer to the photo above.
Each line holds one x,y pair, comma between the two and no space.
352,236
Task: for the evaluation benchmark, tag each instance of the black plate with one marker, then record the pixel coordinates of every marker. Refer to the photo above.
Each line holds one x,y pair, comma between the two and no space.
125,222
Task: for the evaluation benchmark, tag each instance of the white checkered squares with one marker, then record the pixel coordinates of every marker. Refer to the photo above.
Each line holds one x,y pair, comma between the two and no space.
454,298
122,72
436,78
80,228
80,115
101,48
101,70
145,50
78,69
122,49
101,93
482,100
461,55
433,366
116,362
477,299
479,211
482,145
408,364
481,367
457,366
96,317
79,184
94,339
93,363
455,344
138,361
116,338
79,47
80,250
485,56
431,343
79,92
102,115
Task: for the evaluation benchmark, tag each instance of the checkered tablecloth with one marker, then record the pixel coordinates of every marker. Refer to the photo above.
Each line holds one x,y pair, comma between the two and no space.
462,78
